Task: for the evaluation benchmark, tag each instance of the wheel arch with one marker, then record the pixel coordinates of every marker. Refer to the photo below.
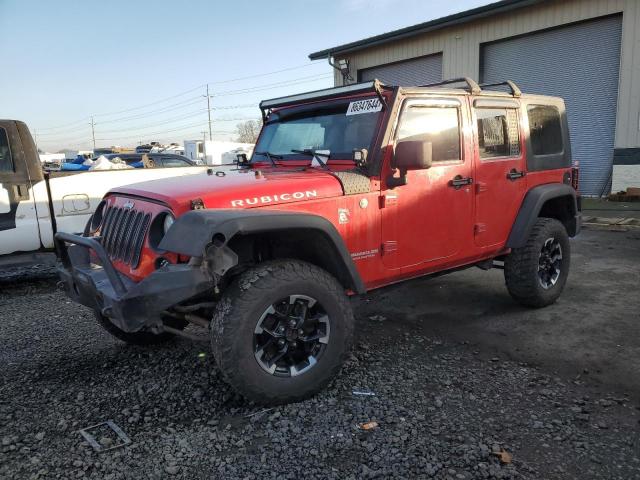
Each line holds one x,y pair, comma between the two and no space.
277,234
554,200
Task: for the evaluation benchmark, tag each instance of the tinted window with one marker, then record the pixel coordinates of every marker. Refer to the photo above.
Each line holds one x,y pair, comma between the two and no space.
174,162
498,134
6,163
544,129
439,125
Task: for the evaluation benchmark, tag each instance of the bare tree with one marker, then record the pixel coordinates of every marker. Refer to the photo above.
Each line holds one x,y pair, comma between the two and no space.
248,131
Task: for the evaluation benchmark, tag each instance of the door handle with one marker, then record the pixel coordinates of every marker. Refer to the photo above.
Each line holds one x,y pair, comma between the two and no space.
459,181
515,174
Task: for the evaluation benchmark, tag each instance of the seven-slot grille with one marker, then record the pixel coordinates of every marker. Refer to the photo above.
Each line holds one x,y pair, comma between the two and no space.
123,232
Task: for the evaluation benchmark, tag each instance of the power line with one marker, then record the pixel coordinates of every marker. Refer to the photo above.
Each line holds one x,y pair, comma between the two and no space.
150,104
191,101
220,82
158,124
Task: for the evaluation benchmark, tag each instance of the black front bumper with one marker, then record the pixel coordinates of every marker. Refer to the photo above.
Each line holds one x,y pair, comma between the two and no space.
129,305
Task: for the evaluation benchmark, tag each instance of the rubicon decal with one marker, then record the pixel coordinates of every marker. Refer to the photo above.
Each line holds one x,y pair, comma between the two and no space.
267,199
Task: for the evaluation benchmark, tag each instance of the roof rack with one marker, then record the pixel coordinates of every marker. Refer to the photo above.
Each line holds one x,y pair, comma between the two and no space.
473,86
515,91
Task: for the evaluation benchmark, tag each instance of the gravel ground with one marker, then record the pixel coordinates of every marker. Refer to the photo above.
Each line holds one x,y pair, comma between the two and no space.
444,407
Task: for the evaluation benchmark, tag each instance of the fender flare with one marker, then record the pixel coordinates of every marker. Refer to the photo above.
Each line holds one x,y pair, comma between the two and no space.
193,232
531,206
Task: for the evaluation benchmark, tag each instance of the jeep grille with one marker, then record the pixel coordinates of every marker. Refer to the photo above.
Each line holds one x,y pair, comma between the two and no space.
123,232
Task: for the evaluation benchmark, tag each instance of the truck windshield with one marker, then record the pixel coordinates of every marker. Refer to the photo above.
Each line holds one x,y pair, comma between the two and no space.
334,131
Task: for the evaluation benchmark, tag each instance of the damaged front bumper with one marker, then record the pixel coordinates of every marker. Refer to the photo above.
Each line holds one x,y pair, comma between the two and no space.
129,305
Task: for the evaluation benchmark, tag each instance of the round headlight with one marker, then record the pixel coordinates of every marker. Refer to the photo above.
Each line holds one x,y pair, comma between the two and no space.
168,221
96,219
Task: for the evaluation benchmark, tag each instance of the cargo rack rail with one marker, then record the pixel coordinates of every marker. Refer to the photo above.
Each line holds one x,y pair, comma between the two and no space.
476,88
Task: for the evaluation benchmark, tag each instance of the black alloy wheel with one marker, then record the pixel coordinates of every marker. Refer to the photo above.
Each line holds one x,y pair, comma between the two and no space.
291,336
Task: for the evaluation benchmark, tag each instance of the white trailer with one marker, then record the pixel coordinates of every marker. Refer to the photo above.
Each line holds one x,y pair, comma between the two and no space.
214,152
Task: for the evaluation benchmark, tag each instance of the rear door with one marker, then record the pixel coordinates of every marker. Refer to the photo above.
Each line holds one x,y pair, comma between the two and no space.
500,168
18,219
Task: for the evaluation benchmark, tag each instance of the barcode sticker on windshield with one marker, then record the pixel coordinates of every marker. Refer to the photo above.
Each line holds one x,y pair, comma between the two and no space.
364,106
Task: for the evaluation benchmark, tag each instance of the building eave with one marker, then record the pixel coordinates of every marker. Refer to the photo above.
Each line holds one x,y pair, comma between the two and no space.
426,27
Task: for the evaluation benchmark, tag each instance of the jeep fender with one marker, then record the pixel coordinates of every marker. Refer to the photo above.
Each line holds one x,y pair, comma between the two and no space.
533,204
193,232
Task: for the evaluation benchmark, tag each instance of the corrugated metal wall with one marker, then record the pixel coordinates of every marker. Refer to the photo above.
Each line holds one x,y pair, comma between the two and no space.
418,71
579,63
460,46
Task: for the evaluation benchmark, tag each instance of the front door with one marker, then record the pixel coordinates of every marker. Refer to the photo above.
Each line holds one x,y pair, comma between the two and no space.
18,220
429,220
500,171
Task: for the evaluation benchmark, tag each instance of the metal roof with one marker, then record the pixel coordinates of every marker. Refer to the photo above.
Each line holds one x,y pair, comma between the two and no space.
430,26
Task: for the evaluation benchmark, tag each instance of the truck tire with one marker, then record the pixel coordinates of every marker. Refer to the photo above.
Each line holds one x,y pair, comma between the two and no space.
281,331
139,338
536,273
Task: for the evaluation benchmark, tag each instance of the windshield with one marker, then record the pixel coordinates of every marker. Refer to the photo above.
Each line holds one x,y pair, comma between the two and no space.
336,132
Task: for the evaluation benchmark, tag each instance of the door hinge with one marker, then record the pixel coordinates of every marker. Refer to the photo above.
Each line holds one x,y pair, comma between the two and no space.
479,228
481,187
388,200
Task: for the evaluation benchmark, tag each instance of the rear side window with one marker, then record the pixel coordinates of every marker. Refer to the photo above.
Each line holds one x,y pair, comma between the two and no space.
173,162
440,125
544,129
6,162
498,133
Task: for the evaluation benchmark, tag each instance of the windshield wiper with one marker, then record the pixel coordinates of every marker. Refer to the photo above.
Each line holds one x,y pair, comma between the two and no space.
270,156
314,154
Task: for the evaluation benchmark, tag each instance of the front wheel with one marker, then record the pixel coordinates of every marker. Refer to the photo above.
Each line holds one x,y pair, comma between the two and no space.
536,273
281,331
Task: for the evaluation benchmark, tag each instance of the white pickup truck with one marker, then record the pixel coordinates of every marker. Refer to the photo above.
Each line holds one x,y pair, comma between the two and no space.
33,206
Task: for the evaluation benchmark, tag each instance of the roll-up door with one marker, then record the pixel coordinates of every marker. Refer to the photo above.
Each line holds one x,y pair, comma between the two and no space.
408,73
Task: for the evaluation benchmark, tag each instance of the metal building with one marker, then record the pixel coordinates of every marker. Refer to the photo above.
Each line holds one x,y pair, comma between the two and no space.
586,51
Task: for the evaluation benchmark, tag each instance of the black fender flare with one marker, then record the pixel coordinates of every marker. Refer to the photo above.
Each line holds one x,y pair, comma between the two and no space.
194,231
530,209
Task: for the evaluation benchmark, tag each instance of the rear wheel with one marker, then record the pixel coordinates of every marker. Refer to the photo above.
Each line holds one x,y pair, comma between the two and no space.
536,273
281,331
142,337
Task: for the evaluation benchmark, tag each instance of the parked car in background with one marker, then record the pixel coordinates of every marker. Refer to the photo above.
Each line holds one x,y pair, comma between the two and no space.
159,159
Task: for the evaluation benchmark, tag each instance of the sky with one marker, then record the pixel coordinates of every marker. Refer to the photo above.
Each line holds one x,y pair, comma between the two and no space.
140,67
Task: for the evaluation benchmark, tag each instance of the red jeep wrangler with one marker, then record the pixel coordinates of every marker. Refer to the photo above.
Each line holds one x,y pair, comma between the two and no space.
349,189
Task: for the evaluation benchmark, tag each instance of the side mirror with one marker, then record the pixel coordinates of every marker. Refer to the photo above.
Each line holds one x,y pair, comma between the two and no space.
413,155
410,154
241,159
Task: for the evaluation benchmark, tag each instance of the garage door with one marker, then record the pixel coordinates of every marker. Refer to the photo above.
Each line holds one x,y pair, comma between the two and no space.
409,73
579,63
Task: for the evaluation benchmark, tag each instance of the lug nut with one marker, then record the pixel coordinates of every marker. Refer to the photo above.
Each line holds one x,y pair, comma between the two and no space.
301,332
281,343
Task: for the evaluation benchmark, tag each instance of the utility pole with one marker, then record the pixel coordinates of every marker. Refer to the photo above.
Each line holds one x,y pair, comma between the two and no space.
209,110
93,132
35,139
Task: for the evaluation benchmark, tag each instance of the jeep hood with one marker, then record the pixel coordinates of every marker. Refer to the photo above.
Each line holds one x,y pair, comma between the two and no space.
230,187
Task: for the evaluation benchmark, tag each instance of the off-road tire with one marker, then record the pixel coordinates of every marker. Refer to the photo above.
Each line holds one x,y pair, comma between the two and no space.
240,308
141,338
521,265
